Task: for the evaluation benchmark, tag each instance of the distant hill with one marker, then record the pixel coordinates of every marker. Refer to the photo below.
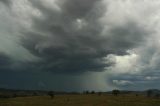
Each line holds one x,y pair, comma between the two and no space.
14,92
10,92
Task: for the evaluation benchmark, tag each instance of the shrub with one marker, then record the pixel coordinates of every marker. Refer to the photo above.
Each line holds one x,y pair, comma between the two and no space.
51,94
149,93
115,92
157,95
15,95
92,92
5,96
86,92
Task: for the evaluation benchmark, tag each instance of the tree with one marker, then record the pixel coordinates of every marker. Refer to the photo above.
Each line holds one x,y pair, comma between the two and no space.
86,92
51,94
15,95
115,92
35,94
92,92
157,95
149,93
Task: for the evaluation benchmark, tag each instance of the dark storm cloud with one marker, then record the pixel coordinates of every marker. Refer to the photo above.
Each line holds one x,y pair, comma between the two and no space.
71,8
65,48
78,8
5,62
117,41
123,38
127,36
6,2
71,56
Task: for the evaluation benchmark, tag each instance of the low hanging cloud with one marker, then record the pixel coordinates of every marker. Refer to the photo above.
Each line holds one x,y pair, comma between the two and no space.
71,39
118,38
6,2
4,62
71,36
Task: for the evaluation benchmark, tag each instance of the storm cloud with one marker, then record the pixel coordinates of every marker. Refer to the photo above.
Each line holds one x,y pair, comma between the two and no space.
71,39
6,2
109,39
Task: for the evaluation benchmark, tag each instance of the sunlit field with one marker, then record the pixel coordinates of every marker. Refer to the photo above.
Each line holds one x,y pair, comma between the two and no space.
82,100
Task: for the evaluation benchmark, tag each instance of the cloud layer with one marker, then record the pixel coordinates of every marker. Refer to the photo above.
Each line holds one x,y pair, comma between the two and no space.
114,39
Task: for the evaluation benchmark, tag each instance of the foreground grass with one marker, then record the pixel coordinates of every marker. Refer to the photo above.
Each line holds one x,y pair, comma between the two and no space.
81,100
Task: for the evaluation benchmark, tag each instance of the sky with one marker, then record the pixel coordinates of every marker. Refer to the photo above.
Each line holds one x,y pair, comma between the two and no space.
76,45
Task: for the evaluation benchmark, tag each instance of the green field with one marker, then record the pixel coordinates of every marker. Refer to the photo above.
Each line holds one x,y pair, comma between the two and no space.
82,100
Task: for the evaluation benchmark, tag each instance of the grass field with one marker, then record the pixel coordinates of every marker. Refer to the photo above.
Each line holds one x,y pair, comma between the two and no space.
82,100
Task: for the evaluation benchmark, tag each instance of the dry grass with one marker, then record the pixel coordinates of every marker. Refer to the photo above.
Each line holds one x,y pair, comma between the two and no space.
82,100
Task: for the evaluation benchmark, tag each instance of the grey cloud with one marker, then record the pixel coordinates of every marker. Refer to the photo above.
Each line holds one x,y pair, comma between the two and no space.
71,8
5,62
125,37
138,81
71,40
6,2
122,82
76,36
63,48
78,8
129,36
